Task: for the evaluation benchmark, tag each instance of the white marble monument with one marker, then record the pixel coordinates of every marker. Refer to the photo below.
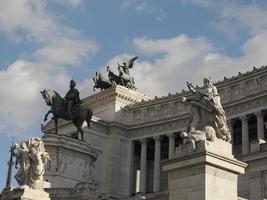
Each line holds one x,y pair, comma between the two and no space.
204,167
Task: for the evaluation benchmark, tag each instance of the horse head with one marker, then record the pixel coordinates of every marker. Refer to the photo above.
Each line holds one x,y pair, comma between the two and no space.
48,96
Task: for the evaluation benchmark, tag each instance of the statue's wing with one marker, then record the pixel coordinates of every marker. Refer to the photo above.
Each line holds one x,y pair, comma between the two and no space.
131,61
119,65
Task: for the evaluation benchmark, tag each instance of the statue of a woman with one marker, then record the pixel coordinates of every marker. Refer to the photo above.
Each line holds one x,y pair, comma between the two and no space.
206,109
31,157
21,152
38,158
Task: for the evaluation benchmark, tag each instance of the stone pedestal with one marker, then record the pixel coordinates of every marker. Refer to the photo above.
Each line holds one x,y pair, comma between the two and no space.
107,105
208,173
85,191
24,194
71,161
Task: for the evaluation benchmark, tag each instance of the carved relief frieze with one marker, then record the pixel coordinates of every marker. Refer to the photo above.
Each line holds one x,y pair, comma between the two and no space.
157,128
251,86
137,115
246,106
221,173
263,82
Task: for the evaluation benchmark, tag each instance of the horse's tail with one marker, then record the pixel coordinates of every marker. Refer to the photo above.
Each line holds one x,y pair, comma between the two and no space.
89,117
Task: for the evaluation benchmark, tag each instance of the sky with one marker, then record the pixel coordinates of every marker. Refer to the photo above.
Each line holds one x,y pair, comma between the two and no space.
46,43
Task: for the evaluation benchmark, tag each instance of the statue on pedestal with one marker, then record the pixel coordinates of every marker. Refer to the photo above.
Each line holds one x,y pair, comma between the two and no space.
31,158
68,108
206,111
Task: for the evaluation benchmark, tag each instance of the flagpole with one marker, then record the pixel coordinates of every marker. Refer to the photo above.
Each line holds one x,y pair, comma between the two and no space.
10,164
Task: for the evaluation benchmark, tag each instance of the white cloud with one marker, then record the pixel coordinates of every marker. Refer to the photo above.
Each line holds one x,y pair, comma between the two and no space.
58,46
142,6
233,17
66,51
73,3
176,60
21,102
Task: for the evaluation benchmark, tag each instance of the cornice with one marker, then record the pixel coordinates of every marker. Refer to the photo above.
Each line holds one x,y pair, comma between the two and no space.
50,126
242,76
115,93
255,72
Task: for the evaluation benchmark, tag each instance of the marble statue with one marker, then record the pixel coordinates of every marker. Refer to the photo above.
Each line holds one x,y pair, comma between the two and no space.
206,111
193,136
68,108
31,158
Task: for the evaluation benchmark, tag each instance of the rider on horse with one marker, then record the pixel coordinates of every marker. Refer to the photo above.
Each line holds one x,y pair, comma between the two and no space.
72,98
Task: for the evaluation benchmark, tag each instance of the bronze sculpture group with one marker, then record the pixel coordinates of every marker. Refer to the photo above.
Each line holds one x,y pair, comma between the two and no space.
71,108
207,116
123,77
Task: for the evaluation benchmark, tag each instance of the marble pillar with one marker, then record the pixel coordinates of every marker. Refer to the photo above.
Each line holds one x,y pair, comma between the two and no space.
143,166
156,178
171,145
260,125
245,137
256,191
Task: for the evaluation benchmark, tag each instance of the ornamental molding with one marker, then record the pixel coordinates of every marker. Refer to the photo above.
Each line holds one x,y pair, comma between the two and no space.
113,94
257,75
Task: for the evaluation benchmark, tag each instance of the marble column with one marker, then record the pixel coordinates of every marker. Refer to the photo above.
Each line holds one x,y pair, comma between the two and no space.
143,167
171,145
156,178
255,180
245,138
260,125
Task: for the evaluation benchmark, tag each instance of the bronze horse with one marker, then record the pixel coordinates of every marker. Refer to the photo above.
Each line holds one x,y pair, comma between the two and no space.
100,82
58,109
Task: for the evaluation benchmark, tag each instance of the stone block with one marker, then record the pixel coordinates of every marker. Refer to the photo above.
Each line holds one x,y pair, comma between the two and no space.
108,104
208,173
24,193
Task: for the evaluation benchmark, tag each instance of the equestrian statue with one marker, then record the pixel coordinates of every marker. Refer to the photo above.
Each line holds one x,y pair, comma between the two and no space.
68,108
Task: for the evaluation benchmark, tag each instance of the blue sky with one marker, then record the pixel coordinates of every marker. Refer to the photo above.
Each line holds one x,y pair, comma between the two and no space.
45,43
